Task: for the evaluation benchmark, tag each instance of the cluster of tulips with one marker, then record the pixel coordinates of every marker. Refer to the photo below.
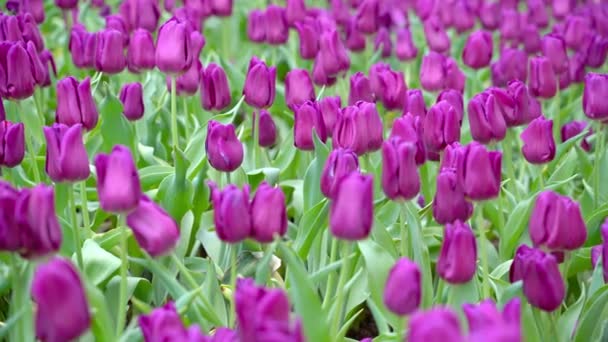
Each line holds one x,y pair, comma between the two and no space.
455,127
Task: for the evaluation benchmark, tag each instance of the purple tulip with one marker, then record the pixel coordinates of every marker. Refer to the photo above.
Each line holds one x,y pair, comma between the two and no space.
383,42
436,36
355,39
231,212
485,320
486,117
10,235
12,143
432,72
67,4
543,81
402,293
574,128
531,39
576,31
268,130
490,15
561,8
537,13
351,212
596,91
388,86
604,233
110,56
21,69
367,15
256,26
554,49
295,11
221,8
596,53
277,28
441,127
174,47
259,89
37,223
140,14
268,213
517,106
539,145
454,98
308,118
414,103
454,77
331,112
477,51
400,177
224,150
117,181
481,172
215,91
116,22
437,324
360,89
75,103
141,50
155,231
58,290
512,65
83,47
463,19
449,203
163,324
298,88
66,156
308,32
331,59
409,128
458,257
359,128
510,25
340,163
131,96
187,84
406,49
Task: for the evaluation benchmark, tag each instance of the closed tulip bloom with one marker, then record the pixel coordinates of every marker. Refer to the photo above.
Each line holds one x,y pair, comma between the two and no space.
268,130
436,36
604,233
477,51
597,51
405,48
277,28
596,91
141,50
231,212
512,65
543,285
389,87
481,172
537,13
18,81
309,37
441,127
155,231
268,213
403,292
400,179
414,103
432,72
75,103
360,89
256,27
486,322
298,88
66,4
458,257
539,145
174,50
221,8
450,204
577,28
543,81
351,212
383,42
116,22
295,10
486,119
574,128
561,8
454,98
557,223
355,39
37,222
510,25
259,89
163,324
367,15
531,39
331,112
359,128
59,292
215,90
595,254
66,156
140,14
437,324
131,96
332,58
307,119
454,77
224,150
517,269
83,47
464,19
10,238
409,128
117,180
523,104
187,84
489,15
554,49
340,163
12,143
110,57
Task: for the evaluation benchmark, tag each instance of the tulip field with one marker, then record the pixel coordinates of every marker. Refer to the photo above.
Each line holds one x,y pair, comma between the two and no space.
303,170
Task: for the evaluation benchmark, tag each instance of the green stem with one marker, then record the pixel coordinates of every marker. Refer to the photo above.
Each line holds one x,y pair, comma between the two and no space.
555,108
484,253
17,288
122,294
439,291
256,135
174,135
75,228
508,160
404,233
401,331
233,264
599,154
541,181
84,207
331,278
341,295
30,148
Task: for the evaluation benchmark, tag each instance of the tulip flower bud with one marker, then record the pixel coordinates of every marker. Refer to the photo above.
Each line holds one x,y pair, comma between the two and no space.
117,180
340,163
510,25
163,323
574,128
441,127
215,91
224,150
66,156
437,324
174,50
596,255
295,11
366,17
543,82
131,96
454,98
268,213
388,86
231,212
187,83
155,231
221,8
477,51
83,47
359,128
486,119
489,15
256,26
259,89
414,103
400,177
116,22
10,238
406,49
458,257
531,39
110,57
268,130
37,222
67,4
309,37
485,320
331,112
464,19
554,49
402,293
561,8
18,70
432,72
517,269
75,103
539,145
308,118
597,52
543,285
409,128
140,54
604,233
383,42
332,57
576,30
12,143
360,89
512,65
524,106
436,36
557,223
481,172
594,95
277,28
58,290
450,204
355,39
298,88
351,212
140,14
454,77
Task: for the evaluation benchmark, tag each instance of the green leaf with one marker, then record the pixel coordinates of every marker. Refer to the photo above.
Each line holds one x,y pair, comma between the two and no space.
151,176
139,287
185,232
591,319
262,273
568,319
101,320
312,178
516,224
115,128
212,291
99,264
310,225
